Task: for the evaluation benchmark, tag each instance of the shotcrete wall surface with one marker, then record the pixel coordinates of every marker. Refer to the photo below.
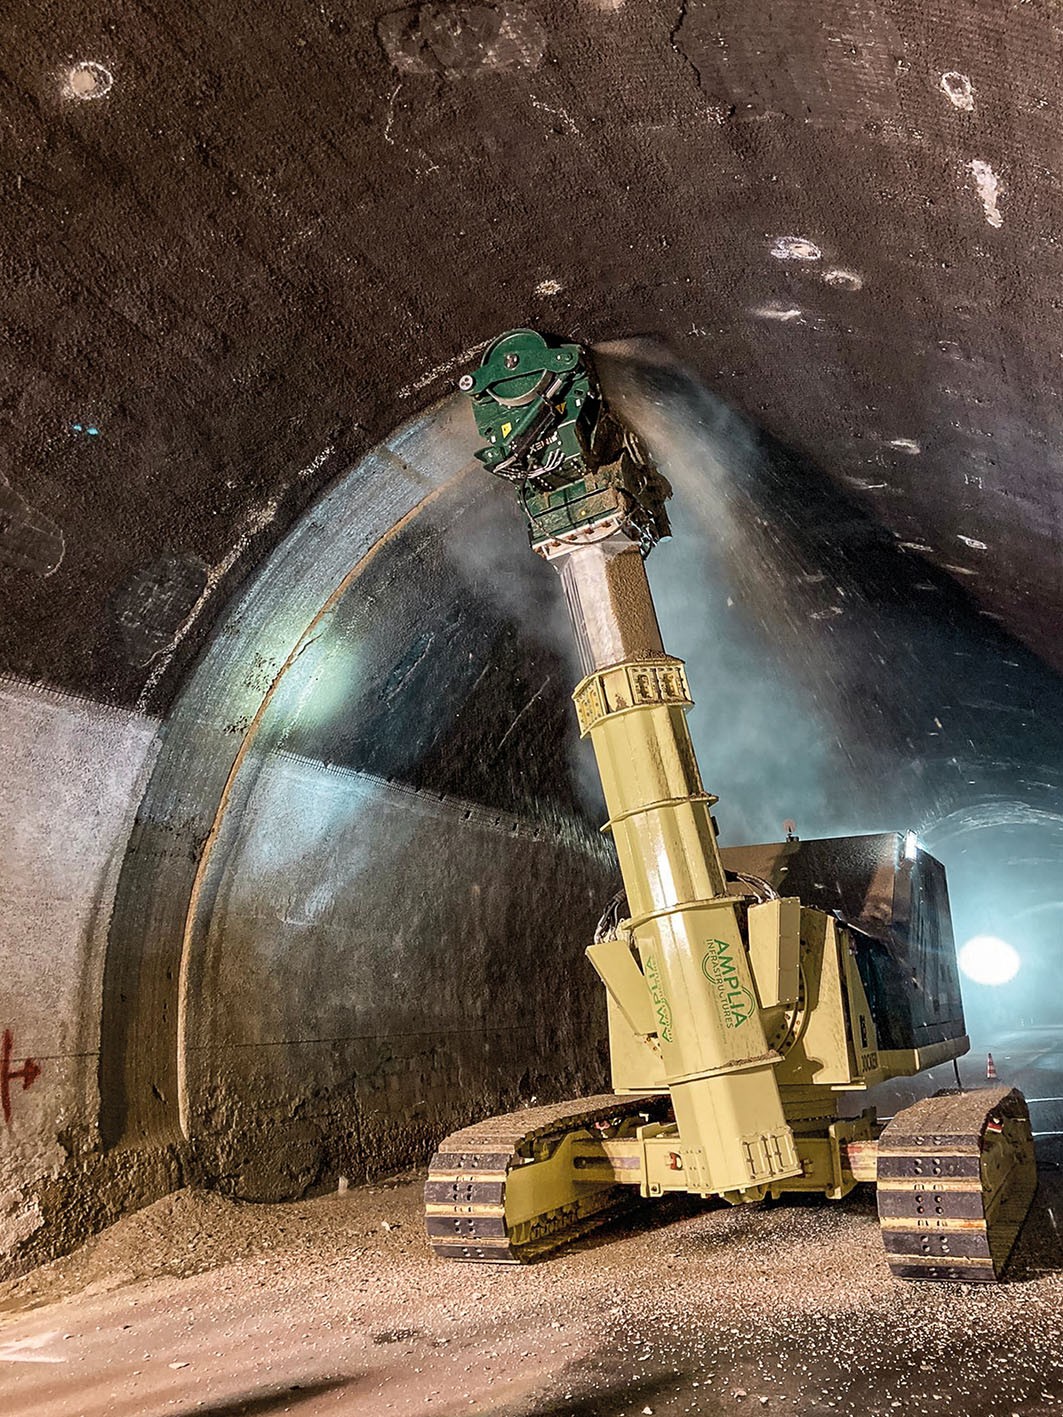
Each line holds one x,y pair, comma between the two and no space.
407,872
71,775
332,906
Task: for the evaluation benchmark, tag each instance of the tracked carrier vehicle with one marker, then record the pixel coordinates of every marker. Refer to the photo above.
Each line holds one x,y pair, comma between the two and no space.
748,990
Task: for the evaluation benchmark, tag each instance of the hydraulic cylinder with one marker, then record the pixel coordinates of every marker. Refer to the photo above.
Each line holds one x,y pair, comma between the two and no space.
632,704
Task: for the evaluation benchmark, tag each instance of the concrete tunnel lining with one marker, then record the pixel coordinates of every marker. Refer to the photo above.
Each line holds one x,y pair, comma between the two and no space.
201,881
195,811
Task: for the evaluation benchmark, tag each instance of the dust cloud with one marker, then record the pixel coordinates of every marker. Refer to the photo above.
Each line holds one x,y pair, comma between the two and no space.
763,745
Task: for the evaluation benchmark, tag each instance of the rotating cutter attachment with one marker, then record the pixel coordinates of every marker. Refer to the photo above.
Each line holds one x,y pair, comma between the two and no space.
581,475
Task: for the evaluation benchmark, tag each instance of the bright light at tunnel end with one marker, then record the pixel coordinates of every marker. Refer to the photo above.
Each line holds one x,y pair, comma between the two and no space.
987,960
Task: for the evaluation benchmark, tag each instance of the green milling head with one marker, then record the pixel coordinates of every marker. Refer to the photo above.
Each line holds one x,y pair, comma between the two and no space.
527,389
581,475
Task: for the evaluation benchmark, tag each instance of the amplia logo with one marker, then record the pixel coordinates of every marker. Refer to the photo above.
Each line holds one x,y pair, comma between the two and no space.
736,1001
661,1008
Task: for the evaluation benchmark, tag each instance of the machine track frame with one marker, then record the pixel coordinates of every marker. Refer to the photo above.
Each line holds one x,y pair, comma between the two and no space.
483,1202
955,1176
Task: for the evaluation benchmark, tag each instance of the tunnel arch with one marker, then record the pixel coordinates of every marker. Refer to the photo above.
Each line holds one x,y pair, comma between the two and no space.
235,709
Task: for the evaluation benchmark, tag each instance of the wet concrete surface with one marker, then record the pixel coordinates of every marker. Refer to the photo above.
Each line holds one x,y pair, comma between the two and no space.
204,1305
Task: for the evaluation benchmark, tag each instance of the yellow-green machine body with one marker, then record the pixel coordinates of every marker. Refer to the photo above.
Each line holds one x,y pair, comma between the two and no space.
747,990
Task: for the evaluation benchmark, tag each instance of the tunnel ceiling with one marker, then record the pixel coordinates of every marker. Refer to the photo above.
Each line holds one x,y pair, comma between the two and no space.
240,243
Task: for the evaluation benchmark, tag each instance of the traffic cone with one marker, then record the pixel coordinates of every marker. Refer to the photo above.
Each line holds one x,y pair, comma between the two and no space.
990,1067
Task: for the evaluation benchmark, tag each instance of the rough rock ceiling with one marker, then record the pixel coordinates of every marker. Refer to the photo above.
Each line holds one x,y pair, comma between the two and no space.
251,240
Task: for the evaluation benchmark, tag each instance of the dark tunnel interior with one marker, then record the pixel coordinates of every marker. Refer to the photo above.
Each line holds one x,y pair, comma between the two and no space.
302,850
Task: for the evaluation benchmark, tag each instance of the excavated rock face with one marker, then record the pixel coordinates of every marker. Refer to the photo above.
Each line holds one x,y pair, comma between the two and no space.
287,792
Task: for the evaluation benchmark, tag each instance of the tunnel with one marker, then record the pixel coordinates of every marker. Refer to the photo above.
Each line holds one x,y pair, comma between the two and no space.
303,849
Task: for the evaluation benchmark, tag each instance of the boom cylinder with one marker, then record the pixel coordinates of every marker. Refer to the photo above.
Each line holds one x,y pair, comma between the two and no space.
595,507
632,704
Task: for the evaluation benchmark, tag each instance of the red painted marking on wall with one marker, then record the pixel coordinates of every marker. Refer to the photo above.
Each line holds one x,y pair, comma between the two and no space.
29,1072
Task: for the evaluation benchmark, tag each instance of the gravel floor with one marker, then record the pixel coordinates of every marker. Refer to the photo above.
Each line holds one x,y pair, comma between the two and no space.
199,1305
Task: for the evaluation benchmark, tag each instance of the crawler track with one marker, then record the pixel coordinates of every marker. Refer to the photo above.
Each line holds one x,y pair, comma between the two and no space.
471,1209
956,1177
